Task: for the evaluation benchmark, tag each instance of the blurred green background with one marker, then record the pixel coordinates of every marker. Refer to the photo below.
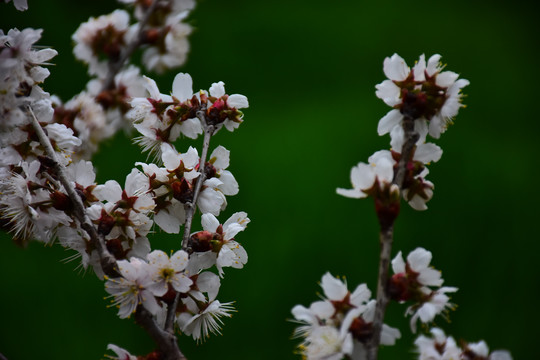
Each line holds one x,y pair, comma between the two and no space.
309,69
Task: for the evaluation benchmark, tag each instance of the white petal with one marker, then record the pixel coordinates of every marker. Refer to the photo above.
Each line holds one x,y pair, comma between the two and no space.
209,222
237,101
220,157
395,68
217,89
387,123
182,87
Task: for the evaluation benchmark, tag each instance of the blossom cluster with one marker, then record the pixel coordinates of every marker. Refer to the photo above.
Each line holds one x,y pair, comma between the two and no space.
163,34
162,118
340,324
416,281
424,101
48,185
442,347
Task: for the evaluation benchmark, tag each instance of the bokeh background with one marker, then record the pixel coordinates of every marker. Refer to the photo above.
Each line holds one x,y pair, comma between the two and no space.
309,69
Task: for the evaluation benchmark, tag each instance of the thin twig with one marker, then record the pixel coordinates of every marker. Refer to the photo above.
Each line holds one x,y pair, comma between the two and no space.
386,239
115,67
2,357
108,262
192,206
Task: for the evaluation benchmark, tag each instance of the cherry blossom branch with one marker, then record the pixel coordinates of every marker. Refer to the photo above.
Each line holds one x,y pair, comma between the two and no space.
166,341
191,207
115,67
386,239
108,262
2,357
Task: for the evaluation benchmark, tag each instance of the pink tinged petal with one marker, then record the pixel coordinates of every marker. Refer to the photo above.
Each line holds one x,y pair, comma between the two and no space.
398,264
110,191
220,157
230,185
217,89
427,153
170,157
209,222
333,288
446,79
433,64
191,128
237,101
395,68
389,92
182,88
389,121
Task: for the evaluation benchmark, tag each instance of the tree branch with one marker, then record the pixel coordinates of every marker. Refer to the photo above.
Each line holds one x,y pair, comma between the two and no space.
191,207
108,262
166,341
386,239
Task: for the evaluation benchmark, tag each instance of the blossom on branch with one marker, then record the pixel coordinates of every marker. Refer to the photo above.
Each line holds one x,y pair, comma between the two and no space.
414,281
340,324
424,93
